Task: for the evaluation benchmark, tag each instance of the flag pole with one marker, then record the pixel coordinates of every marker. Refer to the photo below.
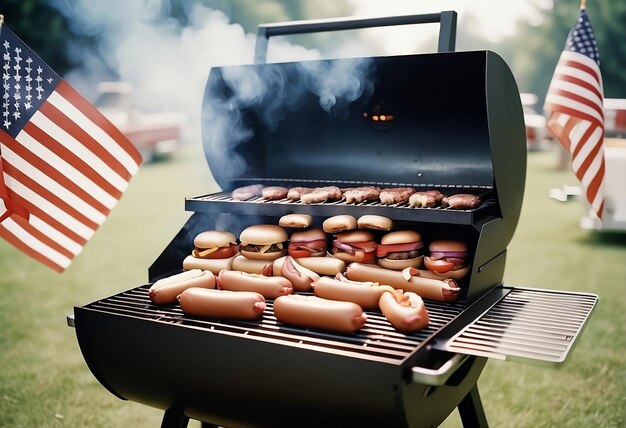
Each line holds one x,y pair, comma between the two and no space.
1,20
583,4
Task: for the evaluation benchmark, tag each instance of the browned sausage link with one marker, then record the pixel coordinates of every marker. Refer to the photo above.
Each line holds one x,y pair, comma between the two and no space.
406,317
269,286
203,302
164,291
435,289
315,312
366,295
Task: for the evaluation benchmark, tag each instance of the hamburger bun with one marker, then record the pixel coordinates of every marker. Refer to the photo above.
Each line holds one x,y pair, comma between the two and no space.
354,236
307,235
339,223
375,222
447,245
299,221
214,238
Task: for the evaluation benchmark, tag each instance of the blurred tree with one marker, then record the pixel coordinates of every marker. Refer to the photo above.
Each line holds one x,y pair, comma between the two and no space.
534,50
250,14
41,28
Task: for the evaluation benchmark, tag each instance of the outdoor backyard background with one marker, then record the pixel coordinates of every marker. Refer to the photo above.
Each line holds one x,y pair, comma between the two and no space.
44,381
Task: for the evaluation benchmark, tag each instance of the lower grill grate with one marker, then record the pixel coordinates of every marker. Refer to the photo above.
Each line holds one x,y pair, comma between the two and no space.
377,340
527,324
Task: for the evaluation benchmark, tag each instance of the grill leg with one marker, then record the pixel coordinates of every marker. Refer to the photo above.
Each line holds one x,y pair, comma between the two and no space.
174,418
471,410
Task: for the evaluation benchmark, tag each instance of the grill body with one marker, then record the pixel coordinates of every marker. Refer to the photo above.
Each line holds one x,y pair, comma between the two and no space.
264,374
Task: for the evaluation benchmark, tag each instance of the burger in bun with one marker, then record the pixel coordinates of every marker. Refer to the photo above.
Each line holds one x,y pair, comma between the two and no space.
263,242
307,243
355,246
400,249
213,250
448,259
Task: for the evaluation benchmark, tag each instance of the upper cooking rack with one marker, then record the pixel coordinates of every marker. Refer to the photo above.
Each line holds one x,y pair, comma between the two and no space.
377,340
223,202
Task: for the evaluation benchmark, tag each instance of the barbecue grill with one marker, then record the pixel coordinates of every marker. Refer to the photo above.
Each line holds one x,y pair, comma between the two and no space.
453,122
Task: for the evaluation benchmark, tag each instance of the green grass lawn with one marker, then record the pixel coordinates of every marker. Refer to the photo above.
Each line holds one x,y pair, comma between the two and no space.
44,381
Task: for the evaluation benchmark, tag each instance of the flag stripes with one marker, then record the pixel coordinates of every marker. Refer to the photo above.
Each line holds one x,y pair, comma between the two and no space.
576,111
63,165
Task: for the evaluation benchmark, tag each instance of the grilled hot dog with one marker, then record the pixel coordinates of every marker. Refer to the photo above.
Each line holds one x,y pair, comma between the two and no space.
269,286
204,302
443,290
365,294
405,311
315,312
300,277
165,290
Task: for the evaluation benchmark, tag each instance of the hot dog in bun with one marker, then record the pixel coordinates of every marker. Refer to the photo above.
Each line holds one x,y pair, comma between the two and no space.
263,242
400,249
308,243
355,246
214,250
448,259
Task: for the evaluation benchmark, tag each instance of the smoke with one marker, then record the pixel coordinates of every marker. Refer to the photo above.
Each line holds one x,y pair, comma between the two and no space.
167,61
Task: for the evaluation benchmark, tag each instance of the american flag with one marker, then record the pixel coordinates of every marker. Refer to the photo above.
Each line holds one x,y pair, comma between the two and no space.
63,165
575,105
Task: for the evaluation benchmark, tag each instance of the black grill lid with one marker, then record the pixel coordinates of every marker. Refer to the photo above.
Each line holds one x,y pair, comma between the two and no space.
445,119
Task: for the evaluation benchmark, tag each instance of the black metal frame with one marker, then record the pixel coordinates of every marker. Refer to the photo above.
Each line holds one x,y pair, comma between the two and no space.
446,42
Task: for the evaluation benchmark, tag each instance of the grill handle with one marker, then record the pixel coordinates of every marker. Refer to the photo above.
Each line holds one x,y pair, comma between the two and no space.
438,377
447,28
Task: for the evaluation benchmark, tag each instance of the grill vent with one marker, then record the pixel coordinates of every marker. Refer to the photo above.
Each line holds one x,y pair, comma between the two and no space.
377,340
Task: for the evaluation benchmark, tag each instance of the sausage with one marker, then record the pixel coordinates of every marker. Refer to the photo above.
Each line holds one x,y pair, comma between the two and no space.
395,195
405,311
443,290
202,302
364,294
247,192
328,265
461,201
269,286
245,264
315,312
300,277
165,290
274,193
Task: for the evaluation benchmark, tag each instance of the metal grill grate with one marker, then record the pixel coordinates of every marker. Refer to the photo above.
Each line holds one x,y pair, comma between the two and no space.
527,324
223,201
377,340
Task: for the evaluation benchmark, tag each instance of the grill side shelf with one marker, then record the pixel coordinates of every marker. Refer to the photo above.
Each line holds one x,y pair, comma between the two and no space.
526,324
